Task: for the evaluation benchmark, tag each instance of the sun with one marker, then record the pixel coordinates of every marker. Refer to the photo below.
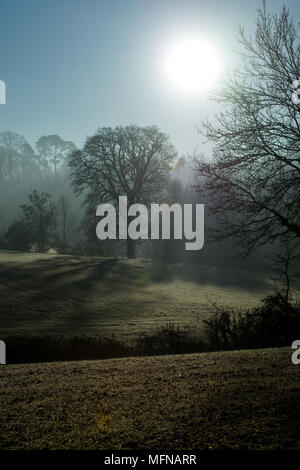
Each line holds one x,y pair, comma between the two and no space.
192,65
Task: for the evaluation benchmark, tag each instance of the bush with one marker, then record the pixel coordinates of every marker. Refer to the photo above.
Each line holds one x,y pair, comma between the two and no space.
18,237
170,339
37,348
273,324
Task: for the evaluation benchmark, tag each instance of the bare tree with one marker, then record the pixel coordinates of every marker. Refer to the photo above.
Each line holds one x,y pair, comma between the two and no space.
132,161
253,178
283,267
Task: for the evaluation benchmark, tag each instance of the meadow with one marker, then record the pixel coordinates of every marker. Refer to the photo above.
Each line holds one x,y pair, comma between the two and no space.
209,400
228,400
62,294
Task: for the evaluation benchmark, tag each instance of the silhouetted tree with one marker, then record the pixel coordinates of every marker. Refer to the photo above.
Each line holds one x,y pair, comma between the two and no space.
40,217
17,236
52,150
283,264
132,161
253,178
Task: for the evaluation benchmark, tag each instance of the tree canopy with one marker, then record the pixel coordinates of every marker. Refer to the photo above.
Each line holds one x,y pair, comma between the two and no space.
252,180
132,161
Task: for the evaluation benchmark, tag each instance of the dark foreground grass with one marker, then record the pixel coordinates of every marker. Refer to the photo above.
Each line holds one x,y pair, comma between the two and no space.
235,400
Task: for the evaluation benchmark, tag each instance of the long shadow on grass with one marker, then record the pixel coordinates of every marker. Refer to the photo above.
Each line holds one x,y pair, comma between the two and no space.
40,289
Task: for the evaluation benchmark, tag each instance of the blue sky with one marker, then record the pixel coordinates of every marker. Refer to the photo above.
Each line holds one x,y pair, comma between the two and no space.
71,66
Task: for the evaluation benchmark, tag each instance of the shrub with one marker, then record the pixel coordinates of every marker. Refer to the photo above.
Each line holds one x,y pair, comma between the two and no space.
17,236
170,339
272,324
38,348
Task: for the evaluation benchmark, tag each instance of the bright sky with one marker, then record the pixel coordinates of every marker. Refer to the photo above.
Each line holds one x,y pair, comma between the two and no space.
71,66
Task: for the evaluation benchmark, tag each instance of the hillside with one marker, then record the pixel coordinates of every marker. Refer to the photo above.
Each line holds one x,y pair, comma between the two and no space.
240,399
55,294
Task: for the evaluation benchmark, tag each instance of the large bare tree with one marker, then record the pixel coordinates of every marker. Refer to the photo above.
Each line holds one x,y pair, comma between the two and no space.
131,161
252,181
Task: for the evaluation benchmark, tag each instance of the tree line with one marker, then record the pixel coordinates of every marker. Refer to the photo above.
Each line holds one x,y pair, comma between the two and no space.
18,159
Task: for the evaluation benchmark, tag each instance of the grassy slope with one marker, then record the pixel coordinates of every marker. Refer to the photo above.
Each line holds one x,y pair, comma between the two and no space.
67,294
241,399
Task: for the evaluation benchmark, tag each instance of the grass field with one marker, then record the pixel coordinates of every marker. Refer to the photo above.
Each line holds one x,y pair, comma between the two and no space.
229,400
235,400
54,294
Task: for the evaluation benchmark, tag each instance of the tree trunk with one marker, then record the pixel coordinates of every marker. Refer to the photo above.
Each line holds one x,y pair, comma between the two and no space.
130,248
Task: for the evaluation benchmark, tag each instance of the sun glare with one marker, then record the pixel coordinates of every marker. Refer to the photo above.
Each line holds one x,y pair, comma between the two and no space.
192,65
